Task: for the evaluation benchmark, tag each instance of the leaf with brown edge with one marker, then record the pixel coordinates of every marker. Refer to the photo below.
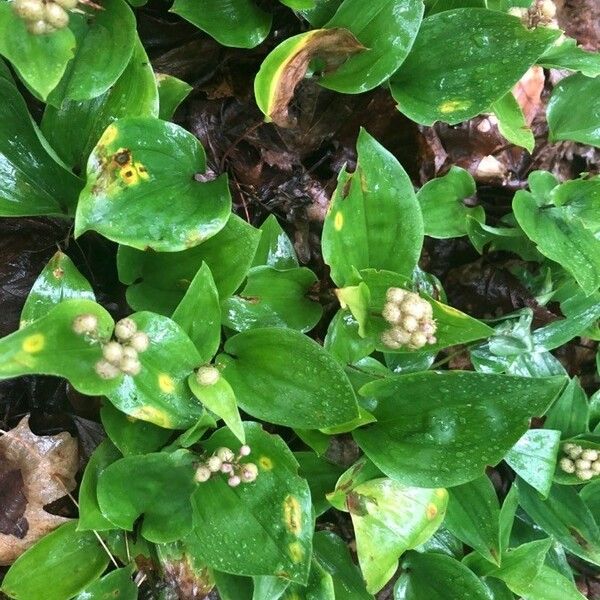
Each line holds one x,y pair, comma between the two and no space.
34,471
284,68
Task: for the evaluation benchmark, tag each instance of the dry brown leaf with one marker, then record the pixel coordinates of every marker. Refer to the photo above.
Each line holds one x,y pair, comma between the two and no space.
528,92
34,471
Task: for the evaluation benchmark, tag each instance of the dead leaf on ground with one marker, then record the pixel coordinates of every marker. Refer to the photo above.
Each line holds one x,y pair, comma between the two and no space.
34,471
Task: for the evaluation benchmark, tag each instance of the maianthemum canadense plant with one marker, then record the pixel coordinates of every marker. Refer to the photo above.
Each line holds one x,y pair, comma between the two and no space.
215,371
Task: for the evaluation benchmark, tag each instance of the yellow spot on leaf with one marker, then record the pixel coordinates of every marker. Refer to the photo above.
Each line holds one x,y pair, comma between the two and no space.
338,221
431,511
166,383
265,463
450,106
33,343
441,493
296,552
141,171
292,513
109,136
129,175
153,415
58,273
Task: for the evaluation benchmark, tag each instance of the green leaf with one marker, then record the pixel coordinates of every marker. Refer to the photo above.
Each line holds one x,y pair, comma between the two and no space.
105,41
443,428
436,6
49,346
473,516
387,28
40,60
562,238
566,54
274,248
273,514
274,298
332,553
361,471
511,122
322,12
90,515
171,92
551,585
237,23
220,399
374,220
564,516
158,487
533,458
199,314
486,52
132,436
321,475
59,280
441,199
343,341
160,394
283,377
570,413
319,585
389,519
76,125
590,494
268,588
31,181
299,4
432,576
117,584
573,110
158,281
57,567
144,169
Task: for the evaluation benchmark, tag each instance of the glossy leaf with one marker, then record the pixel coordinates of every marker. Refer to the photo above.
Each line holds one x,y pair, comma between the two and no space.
441,199
389,519
551,585
570,413
322,12
273,298
564,516
533,458
40,60
432,576
443,428
486,52
387,28
171,92
319,585
321,475
374,220
105,41
247,25
282,376
31,181
511,122
143,169
68,558
199,314
566,54
360,472
273,513
59,280
161,494
473,516
275,248
160,394
158,281
117,584
76,125
343,341
49,346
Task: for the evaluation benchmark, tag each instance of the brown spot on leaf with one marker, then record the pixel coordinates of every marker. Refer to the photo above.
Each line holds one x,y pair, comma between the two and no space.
13,503
122,157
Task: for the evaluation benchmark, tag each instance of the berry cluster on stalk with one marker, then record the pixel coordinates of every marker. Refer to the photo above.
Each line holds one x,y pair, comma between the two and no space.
585,463
225,461
411,320
44,16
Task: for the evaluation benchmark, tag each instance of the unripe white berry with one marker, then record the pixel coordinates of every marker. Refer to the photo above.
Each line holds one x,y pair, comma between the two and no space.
129,352
130,366
596,467
585,474
56,16
39,27
67,4
414,307
409,324
106,370
391,313
202,474
139,341
245,450
429,327
567,465
431,339
214,463
86,323
548,9
112,352
568,446
225,454
249,472
226,468
589,454
29,10
124,329
207,375
583,465
575,451
389,340
395,295
418,339
234,481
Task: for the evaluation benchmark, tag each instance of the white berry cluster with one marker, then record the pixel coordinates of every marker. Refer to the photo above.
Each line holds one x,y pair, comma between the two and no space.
44,16
411,320
224,460
541,12
119,355
584,463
